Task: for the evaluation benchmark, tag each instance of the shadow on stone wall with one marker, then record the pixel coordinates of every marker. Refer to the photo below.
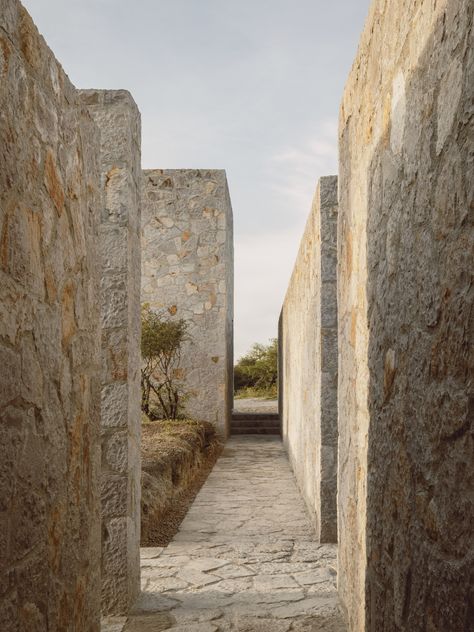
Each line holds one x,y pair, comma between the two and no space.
420,294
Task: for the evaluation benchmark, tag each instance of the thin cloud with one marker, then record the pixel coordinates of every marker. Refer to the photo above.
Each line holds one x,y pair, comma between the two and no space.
299,167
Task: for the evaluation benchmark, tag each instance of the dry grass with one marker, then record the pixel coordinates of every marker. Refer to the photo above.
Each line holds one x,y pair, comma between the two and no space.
177,457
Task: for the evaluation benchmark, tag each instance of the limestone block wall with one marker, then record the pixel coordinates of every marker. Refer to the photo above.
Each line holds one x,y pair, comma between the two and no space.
49,333
118,120
405,320
187,269
308,363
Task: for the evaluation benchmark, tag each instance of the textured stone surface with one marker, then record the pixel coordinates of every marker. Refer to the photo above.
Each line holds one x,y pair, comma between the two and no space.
49,341
118,120
187,269
308,363
245,557
256,405
405,320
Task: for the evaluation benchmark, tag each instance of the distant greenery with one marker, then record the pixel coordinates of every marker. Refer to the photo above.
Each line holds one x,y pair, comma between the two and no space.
256,373
163,394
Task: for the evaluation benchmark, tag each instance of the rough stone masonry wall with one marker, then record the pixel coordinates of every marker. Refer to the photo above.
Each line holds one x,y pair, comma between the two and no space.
308,363
118,120
187,269
406,320
49,333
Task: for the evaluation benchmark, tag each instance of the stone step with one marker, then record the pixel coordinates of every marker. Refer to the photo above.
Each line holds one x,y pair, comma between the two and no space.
236,416
255,424
249,423
260,430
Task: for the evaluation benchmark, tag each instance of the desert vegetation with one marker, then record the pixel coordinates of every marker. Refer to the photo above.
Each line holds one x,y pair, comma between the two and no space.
163,392
256,373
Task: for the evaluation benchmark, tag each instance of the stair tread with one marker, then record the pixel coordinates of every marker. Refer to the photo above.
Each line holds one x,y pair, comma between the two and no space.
255,416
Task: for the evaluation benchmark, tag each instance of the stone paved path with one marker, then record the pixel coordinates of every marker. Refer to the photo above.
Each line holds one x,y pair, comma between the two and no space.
244,558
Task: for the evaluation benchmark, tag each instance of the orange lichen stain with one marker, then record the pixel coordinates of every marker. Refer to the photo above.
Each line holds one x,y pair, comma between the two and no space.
34,232
179,374
209,212
79,603
172,310
119,373
50,285
185,236
117,360
64,617
390,369
110,175
69,326
369,126
29,40
53,183
386,119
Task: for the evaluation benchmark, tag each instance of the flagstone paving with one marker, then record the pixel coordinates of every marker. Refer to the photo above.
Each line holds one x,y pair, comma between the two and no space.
244,558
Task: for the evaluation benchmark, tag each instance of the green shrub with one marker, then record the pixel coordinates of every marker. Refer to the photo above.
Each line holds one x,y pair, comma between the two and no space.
256,373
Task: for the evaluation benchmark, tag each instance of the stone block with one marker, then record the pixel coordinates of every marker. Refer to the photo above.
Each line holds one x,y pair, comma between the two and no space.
118,119
114,492
308,360
115,452
405,259
114,301
187,268
114,241
49,297
114,406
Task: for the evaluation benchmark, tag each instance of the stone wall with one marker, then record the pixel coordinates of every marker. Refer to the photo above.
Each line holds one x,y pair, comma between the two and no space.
405,320
187,269
118,120
308,363
49,341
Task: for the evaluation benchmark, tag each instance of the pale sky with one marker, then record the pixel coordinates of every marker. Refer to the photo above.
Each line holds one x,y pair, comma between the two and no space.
249,86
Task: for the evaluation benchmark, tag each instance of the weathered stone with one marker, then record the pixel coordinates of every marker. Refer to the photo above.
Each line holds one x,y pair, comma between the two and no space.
268,583
187,269
242,578
113,624
196,577
150,552
308,363
208,564
49,297
405,320
118,119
